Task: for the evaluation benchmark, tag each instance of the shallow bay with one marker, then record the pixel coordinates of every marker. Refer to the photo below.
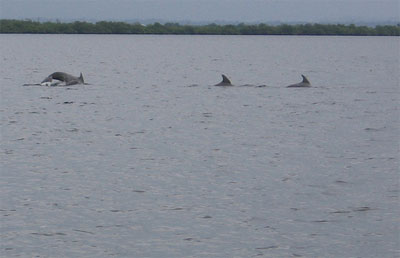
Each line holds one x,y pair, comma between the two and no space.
151,160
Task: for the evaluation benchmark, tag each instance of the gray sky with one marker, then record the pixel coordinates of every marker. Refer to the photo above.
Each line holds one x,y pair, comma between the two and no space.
205,10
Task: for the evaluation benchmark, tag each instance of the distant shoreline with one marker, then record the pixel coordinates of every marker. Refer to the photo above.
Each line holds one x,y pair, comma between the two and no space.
109,27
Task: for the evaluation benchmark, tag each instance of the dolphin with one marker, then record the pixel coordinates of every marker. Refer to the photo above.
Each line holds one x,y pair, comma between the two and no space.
304,83
225,81
62,77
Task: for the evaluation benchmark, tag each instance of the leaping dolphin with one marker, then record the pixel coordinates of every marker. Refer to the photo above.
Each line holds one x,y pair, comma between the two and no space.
225,81
62,77
304,83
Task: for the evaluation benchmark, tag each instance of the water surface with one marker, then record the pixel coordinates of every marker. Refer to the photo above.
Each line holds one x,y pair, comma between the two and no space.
151,160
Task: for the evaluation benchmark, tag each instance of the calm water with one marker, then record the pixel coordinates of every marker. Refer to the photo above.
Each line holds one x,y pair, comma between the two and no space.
151,160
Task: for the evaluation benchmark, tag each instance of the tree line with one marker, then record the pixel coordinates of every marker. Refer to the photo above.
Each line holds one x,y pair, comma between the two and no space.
110,27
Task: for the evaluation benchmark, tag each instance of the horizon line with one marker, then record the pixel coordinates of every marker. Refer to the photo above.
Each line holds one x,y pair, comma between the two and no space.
207,22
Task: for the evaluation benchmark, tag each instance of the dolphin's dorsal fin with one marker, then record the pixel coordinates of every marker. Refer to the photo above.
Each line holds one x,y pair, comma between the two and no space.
225,79
81,78
305,80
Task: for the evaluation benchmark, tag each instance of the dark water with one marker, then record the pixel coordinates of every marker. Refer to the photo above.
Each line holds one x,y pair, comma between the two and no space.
151,160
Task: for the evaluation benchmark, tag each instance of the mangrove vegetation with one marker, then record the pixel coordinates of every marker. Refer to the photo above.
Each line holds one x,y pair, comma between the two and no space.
111,27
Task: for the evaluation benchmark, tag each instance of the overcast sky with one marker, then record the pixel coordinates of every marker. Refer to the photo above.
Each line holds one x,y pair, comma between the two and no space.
205,10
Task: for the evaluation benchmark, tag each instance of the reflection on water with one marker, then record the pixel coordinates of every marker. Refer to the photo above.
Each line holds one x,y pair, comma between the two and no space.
151,160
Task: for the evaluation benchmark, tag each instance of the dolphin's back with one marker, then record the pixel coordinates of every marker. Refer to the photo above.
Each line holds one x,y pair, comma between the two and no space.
64,77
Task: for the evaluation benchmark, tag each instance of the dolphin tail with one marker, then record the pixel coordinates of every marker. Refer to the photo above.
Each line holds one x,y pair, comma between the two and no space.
305,80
